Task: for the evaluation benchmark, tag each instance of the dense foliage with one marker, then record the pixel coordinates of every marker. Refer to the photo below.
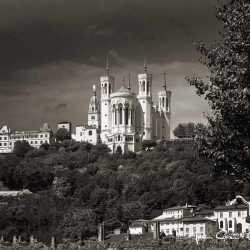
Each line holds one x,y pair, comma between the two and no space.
76,185
189,130
227,142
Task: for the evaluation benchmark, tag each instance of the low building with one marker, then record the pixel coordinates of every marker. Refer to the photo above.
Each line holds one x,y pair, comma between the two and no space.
233,216
65,124
198,225
170,222
34,138
87,133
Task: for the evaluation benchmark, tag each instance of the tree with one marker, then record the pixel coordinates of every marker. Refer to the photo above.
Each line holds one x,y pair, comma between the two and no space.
188,130
227,140
62,134
21,148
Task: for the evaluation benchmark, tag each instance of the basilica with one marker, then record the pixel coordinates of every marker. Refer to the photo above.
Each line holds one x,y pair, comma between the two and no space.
122,119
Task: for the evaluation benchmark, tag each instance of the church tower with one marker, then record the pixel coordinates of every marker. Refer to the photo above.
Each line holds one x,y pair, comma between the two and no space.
107,88
164,97
94,110
145,99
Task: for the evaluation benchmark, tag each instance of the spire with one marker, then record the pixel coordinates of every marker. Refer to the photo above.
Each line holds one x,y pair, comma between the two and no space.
107,69
145,65
165,83
94,90
123,81
129,88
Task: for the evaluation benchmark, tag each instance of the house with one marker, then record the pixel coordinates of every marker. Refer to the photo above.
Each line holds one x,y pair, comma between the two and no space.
170,222
197,225
233,216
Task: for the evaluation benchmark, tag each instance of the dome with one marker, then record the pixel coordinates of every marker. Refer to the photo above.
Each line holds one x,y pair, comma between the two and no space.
122,92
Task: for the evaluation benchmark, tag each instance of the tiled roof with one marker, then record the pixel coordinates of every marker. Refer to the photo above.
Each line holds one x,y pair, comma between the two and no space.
195,218
179,207
206,212
231,207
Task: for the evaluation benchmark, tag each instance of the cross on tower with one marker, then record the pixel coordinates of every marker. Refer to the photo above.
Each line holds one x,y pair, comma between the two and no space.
123,81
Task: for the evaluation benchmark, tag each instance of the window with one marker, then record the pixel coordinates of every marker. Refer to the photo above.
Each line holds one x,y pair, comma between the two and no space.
187,230
90,132
230,224
35,142
167,231
5,144
31,142
239,213
41,142
92,117
10,143
0,138
230,214
120,115
221,215
143,133
194,229
201,229
0,144
221,224
5,138
41,136
80,133
126,116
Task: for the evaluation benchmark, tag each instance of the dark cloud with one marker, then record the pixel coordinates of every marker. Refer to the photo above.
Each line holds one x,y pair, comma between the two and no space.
48,48
60,106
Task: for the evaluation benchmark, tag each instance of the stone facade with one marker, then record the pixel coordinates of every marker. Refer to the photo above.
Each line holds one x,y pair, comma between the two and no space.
34,138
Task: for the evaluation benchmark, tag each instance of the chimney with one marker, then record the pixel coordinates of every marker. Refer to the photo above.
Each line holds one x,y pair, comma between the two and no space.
156,228
53,243
31,239
128,236
101,228
14,240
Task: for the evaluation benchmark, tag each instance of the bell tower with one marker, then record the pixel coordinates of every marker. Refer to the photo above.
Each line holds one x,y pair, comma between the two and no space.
164,98
107,88
94,110
145,99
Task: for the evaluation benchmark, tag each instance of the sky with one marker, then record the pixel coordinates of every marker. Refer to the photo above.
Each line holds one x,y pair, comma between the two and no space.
53,51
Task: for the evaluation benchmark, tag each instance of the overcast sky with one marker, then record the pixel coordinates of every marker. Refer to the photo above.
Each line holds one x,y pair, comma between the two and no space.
53,51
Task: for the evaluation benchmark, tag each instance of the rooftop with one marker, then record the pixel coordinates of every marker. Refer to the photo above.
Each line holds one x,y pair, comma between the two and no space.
232,207
196,218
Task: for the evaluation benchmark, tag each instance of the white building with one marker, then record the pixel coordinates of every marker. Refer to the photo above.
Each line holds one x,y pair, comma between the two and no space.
170,222
65,124
233,217
34,138
91,132
123,118
128,118
197,225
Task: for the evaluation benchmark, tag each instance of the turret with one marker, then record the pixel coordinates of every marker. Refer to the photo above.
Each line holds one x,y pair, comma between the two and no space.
94,110
145,99
107,88
164,97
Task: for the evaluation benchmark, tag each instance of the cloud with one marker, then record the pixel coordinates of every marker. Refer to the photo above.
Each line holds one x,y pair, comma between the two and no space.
94,30
60,106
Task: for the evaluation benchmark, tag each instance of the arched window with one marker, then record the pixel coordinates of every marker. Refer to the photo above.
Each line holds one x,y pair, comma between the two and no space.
93,109
126,116
143,86
163,101
90,132
105,88
230,224
148,88
221,224
120,115
167,104
119,138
